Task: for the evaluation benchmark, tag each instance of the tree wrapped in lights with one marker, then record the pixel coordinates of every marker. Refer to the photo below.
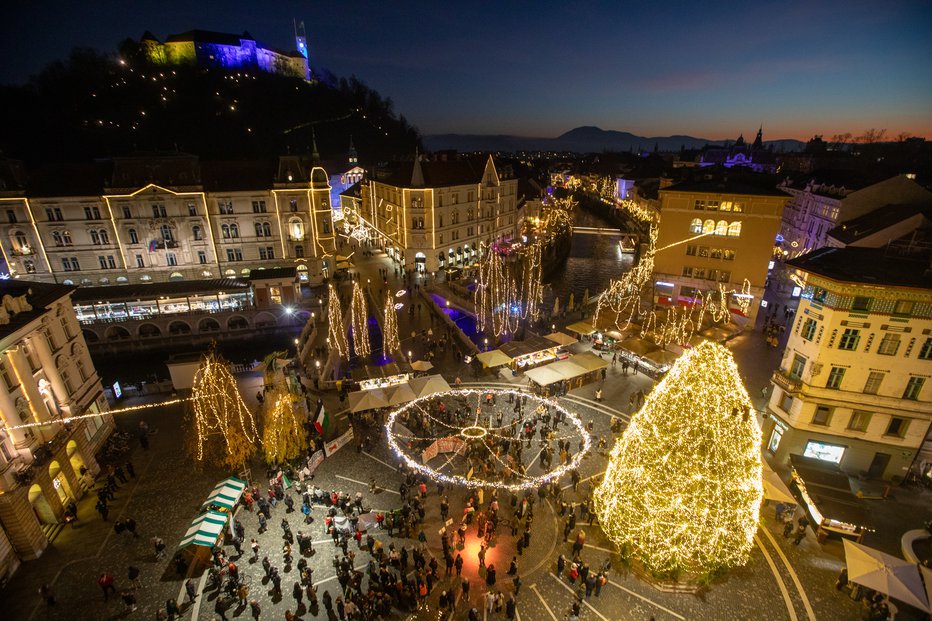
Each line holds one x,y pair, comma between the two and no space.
224,431
496,295
283,434
359,319
390,340
682,490
336,333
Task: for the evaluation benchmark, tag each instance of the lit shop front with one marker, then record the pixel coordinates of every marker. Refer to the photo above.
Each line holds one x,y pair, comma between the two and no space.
825,495
532,352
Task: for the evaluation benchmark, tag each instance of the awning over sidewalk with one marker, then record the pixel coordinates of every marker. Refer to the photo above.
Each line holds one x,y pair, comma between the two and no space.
493,358
225,495
205,530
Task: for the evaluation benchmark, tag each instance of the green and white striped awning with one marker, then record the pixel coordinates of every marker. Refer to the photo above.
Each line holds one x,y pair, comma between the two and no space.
225,495
205,530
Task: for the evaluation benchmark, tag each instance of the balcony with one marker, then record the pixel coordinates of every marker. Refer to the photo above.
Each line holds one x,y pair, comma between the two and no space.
24,251
164,244
783,379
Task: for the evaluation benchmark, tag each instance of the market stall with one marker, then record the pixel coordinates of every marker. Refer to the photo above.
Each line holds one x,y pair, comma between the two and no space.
206,530
531,352
825,494
401,394
225,495
583,328
386,381
429,385
543,376
493,358
363,400
887,574
562,339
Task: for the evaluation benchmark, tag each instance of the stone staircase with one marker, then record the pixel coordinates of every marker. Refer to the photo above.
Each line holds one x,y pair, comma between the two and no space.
53,530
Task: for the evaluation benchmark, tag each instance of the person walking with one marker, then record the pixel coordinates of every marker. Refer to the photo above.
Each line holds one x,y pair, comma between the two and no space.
171,609
47,595
129,602
133,574
191,588
106,584
255,609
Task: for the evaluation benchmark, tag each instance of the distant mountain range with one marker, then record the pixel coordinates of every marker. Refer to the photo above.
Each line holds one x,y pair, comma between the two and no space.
586,139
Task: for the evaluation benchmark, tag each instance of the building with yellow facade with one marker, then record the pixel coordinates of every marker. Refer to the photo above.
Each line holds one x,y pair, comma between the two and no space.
716,233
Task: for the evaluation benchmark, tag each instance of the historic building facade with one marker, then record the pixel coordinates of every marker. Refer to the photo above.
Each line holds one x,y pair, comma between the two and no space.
166,218
715,233
853,387
432,215
46,379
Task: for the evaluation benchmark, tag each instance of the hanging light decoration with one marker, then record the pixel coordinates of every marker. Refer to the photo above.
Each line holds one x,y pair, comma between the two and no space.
390,340
359,319
336,334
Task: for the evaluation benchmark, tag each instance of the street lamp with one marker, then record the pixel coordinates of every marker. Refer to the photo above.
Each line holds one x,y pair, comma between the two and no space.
409,355
486,344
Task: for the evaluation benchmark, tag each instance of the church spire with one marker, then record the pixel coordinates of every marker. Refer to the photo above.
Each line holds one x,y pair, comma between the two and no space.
759,141
352,157
315,156
417,173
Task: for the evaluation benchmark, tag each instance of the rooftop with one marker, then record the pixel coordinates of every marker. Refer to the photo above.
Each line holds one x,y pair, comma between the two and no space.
869,266
874,222
438,173
156,289
39,296
727,185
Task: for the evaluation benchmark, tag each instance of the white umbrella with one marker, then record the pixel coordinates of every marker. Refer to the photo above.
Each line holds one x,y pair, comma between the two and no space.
401,394
885,573
585,297
428,385
422,365
556,306
571,303
927,576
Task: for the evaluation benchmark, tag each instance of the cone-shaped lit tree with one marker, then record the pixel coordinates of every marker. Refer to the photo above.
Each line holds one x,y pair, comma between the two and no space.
359,319
390,341
283,435
224,431
682,491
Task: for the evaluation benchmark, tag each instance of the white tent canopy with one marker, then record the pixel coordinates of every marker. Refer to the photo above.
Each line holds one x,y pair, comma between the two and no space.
226,494
774,487
885,573
494,358
363,400
205,530
401,394
428,385
561,338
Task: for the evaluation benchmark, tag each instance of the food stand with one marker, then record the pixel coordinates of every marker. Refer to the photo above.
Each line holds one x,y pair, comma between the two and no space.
826,497
531,352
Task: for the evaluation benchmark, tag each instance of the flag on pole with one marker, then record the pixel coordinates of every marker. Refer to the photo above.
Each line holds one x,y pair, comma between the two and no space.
322,421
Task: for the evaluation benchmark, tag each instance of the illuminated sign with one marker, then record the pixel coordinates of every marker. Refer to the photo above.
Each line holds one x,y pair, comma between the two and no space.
117,392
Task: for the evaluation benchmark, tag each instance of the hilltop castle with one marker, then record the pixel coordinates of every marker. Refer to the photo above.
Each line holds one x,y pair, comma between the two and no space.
226,51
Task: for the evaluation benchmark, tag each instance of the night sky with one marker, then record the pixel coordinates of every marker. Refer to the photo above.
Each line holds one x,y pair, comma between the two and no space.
708,69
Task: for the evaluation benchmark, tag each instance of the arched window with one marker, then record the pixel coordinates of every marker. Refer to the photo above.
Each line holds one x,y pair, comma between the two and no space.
196,231
296,229
721,228
234,231
167,233
695,226
66,237
104,237
266,229
133,236
258,229
708,227
95,238
56,238
734,229
225,231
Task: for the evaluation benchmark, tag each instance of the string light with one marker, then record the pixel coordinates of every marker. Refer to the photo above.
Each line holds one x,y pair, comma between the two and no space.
390,340
219,409
283,434
359,319
474,431
336,334
682,491
69,419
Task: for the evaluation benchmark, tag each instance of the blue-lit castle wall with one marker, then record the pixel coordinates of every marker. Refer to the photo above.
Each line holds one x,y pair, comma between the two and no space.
248,55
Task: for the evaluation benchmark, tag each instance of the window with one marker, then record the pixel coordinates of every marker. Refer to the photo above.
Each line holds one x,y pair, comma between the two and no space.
715,253
695,226
913,388
75,266
327,226
57,239
834,378
897,426
299,251
266,229
192,209
889,344
786,402
825,452
104,236
158,211
139,261
201,257
58,215
708,227
11,216
126,212
258,207
170,259
234,231
775,438
903,308
226,207
167,234
798,366
859,420
699,204
721,228
691,251
734,229
49,214
196,231
809,328
29,266
293,204
234,254
258,229
724,276
268,252
7,377
225,231
704,252
95,238
822,416
872,386
861,304
439,220
849,340
92,213
925,352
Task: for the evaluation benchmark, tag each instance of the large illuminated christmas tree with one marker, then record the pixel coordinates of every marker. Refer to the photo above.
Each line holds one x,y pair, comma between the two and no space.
682,491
